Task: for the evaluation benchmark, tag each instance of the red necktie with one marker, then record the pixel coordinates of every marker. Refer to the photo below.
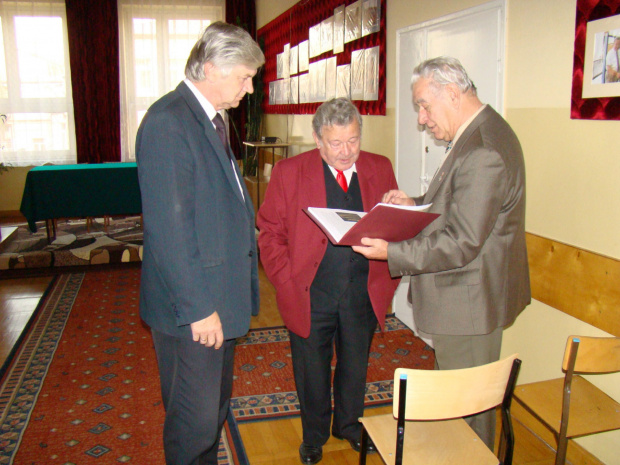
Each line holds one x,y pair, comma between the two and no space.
342,180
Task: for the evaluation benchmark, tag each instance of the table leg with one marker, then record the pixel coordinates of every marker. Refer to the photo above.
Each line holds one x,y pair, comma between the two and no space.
50,225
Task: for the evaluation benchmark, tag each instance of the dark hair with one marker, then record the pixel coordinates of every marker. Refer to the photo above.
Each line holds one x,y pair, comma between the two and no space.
337,111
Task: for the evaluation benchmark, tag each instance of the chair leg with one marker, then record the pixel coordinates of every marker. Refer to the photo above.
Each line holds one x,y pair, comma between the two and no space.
560,456
363,446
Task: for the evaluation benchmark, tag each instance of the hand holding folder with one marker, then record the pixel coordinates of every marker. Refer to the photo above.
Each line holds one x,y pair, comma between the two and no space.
392,223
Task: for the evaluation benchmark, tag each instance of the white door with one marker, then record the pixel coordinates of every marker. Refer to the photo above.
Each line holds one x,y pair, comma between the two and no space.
474,36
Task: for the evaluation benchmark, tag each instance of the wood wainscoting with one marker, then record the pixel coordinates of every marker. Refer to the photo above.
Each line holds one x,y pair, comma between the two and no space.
577,282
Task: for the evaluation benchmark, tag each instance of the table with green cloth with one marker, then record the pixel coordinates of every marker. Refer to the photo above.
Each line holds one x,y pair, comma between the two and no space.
80,191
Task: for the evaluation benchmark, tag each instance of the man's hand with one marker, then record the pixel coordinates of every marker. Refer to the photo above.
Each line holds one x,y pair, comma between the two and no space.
373,249
397,197
209,331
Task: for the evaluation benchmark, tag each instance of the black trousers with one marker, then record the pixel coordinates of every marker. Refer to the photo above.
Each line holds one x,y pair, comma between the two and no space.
347,323
196,385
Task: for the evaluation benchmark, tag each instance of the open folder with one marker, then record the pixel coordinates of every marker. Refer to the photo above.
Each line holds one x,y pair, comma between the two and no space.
393,223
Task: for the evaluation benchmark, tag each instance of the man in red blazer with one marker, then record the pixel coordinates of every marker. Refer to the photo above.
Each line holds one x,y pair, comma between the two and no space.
328,296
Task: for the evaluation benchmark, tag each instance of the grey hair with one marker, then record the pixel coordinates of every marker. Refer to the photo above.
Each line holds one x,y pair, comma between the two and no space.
442,71
335,112
225,46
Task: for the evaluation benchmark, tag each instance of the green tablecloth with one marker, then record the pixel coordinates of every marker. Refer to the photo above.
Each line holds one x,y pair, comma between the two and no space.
67,191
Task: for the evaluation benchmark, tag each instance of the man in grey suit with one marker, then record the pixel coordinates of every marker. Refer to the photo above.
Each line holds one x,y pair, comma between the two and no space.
469,275
199,281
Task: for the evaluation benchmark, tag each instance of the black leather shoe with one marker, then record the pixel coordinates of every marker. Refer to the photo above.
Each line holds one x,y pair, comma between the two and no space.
310,454
356,444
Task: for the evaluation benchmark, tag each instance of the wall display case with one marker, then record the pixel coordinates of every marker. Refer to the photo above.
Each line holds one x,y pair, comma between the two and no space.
316,51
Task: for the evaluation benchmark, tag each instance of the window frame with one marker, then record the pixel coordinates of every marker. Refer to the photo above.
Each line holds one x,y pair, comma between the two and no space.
14,103
132,106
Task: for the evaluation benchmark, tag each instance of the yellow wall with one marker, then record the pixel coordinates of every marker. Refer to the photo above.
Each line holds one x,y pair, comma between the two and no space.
573,166
11,188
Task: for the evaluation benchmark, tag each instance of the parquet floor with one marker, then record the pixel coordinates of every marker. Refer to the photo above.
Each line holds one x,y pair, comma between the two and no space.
266,442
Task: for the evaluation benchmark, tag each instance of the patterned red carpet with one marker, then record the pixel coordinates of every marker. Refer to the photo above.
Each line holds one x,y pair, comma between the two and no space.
264,386
83,387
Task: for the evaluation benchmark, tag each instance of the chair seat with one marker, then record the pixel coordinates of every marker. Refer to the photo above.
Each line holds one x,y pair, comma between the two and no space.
429,442
591,410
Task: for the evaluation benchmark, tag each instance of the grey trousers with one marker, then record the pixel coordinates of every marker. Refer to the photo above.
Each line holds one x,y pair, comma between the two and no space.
453,352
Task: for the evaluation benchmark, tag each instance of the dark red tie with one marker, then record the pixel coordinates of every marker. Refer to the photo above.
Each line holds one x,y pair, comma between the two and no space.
220,128
342,180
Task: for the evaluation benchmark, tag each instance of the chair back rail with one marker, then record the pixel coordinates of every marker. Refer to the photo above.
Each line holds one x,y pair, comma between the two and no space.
595,354
444,394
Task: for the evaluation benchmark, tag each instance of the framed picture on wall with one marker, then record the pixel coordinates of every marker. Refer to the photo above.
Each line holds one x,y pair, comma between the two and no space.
601,70
595,94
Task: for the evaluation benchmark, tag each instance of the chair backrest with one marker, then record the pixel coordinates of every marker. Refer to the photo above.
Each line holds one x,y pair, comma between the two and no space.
593,354
443,394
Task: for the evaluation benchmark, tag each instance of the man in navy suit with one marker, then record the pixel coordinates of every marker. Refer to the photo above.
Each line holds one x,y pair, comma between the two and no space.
199,282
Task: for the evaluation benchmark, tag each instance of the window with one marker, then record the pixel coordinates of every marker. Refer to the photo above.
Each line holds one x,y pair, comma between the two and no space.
155,42
35,84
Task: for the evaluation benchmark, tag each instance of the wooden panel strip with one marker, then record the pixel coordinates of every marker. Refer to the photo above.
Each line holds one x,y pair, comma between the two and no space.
580,283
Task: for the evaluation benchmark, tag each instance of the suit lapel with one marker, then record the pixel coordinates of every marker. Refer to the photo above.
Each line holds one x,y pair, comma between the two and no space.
214,140
441,175
366,177
313,176
444,169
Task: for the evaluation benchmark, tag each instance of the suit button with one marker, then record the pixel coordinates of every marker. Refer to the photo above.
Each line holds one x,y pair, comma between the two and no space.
316,264
323,241
251,253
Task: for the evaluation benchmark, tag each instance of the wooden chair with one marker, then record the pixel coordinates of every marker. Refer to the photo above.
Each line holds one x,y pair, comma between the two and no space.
572,406
408,436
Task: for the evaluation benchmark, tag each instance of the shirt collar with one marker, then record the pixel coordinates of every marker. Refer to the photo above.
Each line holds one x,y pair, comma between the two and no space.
204,103
463,126
348,174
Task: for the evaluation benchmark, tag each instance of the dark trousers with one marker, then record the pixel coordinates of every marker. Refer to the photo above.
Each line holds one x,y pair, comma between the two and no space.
453,352
196,385
348,324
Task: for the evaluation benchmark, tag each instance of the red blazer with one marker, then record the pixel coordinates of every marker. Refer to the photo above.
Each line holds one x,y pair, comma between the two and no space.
292,246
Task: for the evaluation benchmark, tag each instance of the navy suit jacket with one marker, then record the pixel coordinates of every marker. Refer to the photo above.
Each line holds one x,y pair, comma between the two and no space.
199,236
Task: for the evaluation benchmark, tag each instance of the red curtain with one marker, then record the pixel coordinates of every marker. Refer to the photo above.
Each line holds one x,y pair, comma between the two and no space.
240,13
94,58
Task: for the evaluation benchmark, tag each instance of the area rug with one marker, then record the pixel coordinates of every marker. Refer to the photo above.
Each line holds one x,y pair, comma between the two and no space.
264,386
83,386
76,243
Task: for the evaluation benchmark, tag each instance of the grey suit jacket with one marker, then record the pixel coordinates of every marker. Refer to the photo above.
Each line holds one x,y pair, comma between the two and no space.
199,237
469,268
